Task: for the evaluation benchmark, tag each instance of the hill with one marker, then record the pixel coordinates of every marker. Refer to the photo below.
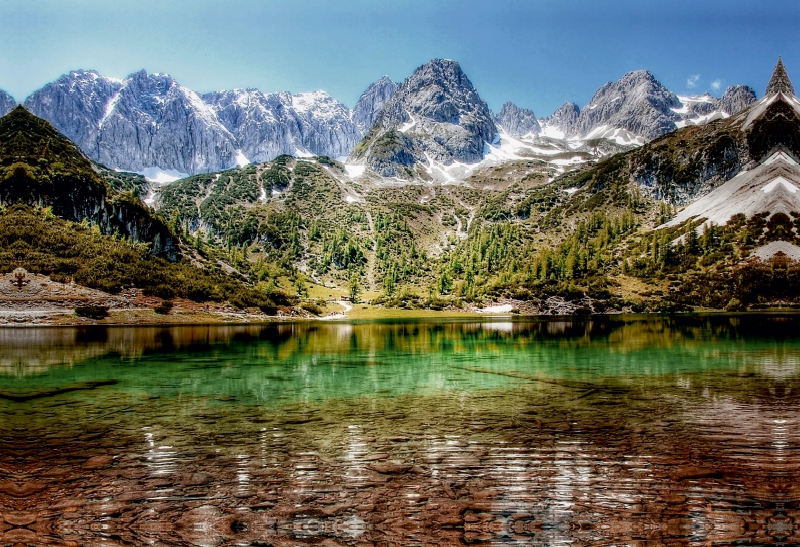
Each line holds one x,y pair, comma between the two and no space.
59,217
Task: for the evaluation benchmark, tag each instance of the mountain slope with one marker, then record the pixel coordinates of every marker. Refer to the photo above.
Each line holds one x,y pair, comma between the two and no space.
39,167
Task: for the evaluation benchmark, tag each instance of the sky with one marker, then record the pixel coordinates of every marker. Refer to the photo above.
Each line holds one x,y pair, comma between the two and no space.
535,53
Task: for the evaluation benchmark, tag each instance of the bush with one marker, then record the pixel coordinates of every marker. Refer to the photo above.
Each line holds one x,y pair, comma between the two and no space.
311,307
92,312
161,291
164,308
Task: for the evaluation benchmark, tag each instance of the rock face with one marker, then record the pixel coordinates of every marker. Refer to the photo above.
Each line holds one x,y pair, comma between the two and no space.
736,99
7,103
146,120
155,122
435,115
371,102
329,129
149,120
637,103
265,126
562,120
517,121
76,105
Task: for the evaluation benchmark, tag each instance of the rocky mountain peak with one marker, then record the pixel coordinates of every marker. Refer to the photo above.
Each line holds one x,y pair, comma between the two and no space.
435,115
371,102
559,122
736,98
442,93
637,102
517,121
780,82
76,104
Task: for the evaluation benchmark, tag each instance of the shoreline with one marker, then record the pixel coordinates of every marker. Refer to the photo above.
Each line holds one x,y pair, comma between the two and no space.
147,318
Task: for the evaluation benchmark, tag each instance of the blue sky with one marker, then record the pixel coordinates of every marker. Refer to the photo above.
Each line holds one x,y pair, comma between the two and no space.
536,53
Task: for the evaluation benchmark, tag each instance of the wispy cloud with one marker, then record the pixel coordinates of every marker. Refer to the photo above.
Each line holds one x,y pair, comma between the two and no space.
716,85
692,81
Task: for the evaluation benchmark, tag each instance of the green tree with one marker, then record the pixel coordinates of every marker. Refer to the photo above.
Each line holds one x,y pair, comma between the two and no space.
355,290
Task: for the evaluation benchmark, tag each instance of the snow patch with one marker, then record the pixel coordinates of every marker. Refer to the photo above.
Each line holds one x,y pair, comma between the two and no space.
408,125
553,132
769,250
780,156
241,159
354,171
566,162
504,308
779,181
162,176
300,153
617,134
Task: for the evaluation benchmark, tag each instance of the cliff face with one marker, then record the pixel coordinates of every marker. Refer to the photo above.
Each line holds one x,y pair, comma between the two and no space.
150,121
371,102
40,167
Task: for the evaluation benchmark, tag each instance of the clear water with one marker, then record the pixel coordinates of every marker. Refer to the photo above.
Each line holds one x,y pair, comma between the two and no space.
613,431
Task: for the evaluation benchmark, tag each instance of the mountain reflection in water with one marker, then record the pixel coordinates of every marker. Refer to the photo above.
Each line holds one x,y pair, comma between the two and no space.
609,431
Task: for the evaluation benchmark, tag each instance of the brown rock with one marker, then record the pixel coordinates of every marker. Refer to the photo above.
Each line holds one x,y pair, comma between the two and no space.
98,462
388,468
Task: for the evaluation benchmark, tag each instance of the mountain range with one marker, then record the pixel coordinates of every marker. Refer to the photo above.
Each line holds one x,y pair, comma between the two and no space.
441,197
150,124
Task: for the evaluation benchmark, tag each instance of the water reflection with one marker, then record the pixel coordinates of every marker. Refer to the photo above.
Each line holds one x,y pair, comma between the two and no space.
615,431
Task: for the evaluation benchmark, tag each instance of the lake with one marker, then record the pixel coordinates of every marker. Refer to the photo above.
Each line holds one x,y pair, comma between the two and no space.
620,430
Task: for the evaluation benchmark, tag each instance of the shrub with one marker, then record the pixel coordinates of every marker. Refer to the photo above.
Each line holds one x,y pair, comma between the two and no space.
311,307
161,291
92,312
164,308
